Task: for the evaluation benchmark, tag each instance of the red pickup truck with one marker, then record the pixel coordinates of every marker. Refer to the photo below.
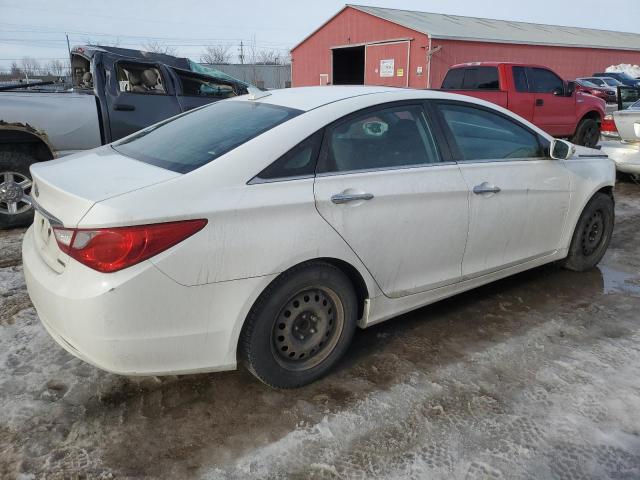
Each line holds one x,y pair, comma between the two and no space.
534,92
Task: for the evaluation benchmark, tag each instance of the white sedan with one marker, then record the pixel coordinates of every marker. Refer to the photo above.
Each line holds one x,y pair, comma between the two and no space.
264,229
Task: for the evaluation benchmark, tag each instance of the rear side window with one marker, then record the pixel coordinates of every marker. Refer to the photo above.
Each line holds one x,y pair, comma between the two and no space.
189,141
520,79
140,78
298,162
472,78
483,135
544,81
453,80
383,138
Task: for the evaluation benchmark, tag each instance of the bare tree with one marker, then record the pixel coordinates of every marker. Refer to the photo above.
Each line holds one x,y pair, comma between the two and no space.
216,54
15,69
56,67
269,57
156,47
30,65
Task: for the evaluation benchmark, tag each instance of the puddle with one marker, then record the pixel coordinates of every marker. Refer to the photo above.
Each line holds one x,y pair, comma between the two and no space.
616,281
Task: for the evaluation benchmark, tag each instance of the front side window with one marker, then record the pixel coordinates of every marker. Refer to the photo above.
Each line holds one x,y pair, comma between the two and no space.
140,78
187,142
197,86
483,135
545,81
387,138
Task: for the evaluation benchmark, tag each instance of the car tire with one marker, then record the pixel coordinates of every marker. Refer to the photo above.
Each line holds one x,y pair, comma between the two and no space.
587,133
14,176
592,235
300,326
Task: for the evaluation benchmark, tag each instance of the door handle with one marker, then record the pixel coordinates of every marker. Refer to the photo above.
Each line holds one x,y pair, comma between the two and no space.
340,198
485,187
539,102
124,107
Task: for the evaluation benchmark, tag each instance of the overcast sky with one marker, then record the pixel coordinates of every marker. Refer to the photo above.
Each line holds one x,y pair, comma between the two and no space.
36,28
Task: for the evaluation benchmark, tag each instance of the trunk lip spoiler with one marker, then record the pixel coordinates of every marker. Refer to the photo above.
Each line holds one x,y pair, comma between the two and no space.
53,220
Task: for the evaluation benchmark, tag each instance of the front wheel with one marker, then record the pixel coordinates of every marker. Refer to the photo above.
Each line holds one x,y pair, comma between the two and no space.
300,327
587,133
592,235
15,183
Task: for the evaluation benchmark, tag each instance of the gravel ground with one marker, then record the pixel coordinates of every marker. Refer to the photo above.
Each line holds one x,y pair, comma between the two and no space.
532,377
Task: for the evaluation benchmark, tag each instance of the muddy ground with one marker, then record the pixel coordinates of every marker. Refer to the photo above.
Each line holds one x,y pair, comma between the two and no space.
536,376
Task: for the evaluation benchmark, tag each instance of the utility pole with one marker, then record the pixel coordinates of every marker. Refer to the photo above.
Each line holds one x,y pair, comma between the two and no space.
241,52
68,46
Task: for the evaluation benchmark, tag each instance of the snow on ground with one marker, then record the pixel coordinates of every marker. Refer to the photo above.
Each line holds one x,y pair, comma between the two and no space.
532,377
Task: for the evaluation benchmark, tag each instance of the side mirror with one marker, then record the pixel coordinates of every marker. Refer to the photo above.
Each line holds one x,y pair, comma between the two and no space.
561,150
571,88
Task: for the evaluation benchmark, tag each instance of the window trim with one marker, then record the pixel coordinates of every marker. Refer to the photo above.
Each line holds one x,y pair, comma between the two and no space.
438,138
157,66
543,143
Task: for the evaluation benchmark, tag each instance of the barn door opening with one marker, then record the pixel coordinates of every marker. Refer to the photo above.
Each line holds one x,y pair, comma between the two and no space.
348,66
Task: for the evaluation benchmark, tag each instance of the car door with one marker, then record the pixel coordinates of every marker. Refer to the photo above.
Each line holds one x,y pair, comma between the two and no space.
519,197
553,110
388,189
521,96
134,101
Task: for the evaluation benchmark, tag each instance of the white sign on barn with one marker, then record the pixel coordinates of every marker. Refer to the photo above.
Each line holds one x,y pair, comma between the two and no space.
387,68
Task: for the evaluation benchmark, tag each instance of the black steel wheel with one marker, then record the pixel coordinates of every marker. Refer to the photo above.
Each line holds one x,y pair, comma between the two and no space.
307,329
300,326
592,235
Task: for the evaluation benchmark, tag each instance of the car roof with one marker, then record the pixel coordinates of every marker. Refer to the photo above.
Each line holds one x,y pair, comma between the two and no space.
497,64
309,98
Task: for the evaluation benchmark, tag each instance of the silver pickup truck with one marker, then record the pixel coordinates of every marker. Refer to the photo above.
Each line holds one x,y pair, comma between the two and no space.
115,92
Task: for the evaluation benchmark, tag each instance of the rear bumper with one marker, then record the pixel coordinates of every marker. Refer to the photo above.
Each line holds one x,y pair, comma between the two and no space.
625,155
139,321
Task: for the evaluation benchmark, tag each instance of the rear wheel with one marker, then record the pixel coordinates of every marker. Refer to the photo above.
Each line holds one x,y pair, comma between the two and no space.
592,235
15,183
587,133
300,326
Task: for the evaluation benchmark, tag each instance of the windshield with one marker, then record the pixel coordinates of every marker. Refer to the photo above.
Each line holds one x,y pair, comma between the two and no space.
612,82
189,141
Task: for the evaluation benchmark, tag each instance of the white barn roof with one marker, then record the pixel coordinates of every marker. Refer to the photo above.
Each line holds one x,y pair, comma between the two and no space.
454,27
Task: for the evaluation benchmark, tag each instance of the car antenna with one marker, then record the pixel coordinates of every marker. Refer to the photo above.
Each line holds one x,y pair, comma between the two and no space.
255,93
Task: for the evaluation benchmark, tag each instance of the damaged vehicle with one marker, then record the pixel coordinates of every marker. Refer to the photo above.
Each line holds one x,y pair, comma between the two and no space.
263,229
621,133
115,92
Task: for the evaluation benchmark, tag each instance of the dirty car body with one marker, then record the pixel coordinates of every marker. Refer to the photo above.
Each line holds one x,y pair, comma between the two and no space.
391,190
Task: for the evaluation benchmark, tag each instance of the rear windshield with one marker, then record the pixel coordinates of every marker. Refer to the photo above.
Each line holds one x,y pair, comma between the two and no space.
472,78
190,141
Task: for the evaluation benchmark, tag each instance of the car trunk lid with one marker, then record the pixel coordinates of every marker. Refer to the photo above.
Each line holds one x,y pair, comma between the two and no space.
628,124
64,190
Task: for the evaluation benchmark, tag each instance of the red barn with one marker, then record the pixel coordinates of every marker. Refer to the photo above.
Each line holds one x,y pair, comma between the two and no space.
385,46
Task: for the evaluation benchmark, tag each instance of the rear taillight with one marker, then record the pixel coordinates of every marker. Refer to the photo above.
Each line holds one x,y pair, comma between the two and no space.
608,126
111,249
